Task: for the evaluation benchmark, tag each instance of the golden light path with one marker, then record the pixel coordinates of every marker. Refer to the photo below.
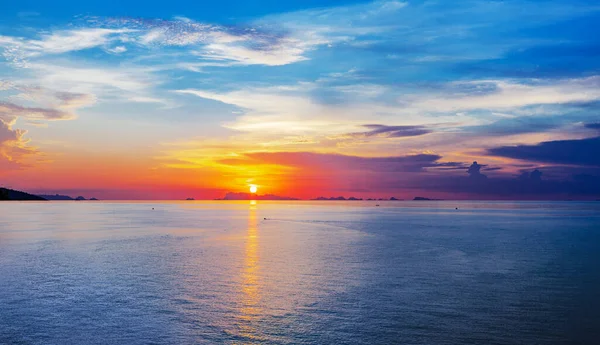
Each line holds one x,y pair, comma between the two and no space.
251,285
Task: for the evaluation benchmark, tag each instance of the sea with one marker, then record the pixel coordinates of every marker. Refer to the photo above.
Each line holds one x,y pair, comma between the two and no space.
300,272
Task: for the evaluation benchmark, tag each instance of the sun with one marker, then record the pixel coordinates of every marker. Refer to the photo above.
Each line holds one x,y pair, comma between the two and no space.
253,188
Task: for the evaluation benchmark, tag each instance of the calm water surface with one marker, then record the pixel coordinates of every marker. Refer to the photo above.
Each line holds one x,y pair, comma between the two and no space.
310,273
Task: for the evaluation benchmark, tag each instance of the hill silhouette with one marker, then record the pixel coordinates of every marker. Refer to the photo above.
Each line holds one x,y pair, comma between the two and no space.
55,197
59,197
11,194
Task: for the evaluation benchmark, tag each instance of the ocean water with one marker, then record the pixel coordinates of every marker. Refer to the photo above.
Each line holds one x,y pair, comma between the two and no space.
300,273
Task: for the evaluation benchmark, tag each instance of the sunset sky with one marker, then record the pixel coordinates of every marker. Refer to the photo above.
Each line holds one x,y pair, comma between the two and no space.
176,99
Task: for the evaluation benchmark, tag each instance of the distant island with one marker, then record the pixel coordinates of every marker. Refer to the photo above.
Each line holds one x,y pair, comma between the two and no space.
341,198
55,197
58,197
250,196
10,194
420,198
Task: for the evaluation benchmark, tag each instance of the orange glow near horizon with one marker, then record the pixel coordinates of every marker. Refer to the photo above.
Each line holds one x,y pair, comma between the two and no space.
211,173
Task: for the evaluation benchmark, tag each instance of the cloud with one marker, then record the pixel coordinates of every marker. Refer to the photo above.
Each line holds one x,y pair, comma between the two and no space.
13,146
377,130
7,133
93,83
503,94
272,41
69,100
474,172
527,185
117,49
593,126
284,52
9,111
18,50
87,78
54,105
577,152
269,110
250,45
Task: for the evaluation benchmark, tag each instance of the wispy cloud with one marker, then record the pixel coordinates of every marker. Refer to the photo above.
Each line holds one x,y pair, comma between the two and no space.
383,131
18,50
247,45
9,111
122,84
502,94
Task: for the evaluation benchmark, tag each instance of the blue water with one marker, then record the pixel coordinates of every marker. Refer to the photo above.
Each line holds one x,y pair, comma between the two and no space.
311,273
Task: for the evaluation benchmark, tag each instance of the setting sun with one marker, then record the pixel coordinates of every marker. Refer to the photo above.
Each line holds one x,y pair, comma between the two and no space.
253,188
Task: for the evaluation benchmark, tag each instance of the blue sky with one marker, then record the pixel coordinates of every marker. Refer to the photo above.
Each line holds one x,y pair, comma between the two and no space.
184,85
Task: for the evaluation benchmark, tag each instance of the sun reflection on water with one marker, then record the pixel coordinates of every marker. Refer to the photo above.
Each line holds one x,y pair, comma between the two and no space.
251,284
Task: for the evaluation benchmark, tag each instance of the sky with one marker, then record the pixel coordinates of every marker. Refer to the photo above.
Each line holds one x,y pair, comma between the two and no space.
168,100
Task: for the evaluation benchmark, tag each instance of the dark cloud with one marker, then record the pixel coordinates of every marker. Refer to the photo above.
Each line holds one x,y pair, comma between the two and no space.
593,125
474,171
528,185
535,175
383,131
577,152
396,131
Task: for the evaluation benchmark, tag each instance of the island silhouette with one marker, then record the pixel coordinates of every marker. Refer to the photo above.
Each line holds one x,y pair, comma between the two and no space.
59,197
11,194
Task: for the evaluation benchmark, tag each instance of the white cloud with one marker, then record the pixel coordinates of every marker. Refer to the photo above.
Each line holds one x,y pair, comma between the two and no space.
116,84
499,94
73,40
6,85
93,80
244,46
19,50
117,49
283,53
